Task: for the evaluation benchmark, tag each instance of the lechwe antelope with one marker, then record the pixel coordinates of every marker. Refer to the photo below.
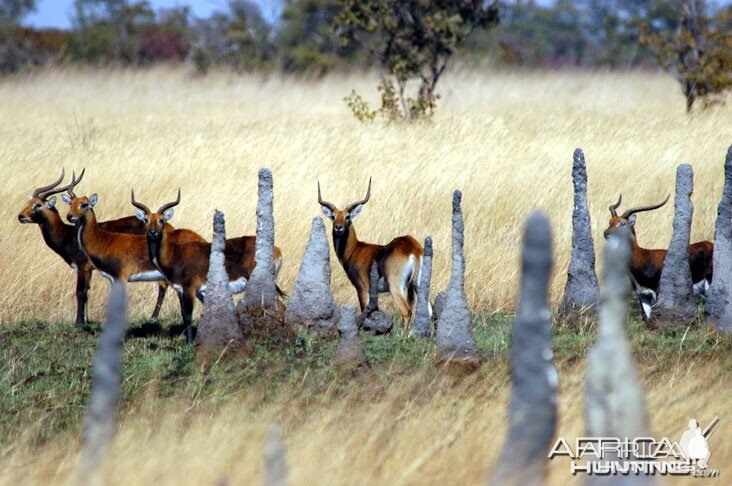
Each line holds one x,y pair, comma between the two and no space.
646,265
61,238
399,262
185,263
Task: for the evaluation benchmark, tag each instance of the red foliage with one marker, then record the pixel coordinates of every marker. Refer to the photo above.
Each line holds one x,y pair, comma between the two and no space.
157,44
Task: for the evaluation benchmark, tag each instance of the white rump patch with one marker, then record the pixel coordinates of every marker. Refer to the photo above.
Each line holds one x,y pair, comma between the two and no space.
701,288
238,286
407,274
151,276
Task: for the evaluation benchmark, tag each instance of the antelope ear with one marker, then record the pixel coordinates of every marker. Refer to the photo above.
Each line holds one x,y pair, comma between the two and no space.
140,214
168,215
93,200
66,198
631,220
328,213
51,202
356,211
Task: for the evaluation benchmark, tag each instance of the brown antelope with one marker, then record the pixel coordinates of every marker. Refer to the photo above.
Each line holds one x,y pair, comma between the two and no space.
61,238
646,265
185,263
399,262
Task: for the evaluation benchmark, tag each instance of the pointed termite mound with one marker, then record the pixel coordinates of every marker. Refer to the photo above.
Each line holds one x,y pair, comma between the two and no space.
614,402
533,409
454,334
275,458
349,354
582,290
439,306
101,417
719,299
676,304
218,329
423,319
258,310
311,304
372,318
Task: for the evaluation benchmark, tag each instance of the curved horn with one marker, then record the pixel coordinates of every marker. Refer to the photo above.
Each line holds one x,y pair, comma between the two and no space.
139,205
40,190
74,182
169,205
328,205
613,208
362,201
639,209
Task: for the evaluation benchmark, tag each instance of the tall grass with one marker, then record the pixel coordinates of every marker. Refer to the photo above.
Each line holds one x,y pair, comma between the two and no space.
505,139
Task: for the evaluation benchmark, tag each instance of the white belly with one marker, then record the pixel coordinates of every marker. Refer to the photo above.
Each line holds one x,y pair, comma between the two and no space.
151,276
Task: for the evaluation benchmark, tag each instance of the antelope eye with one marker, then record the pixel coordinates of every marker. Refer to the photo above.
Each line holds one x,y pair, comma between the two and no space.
37,206
84,206
622,223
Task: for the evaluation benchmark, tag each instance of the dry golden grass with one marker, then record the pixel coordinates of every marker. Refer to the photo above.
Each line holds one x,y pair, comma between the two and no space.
505,139
422,429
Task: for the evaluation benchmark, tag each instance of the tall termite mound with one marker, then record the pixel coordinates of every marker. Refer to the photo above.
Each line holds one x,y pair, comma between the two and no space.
372,318
311,305
614,401
275,458
258,310
581,290
101,417
218,329
349,354
454,333
719,299
423,319
533,407
676,304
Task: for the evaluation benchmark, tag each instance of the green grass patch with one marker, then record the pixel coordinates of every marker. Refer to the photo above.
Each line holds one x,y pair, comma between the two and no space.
45,368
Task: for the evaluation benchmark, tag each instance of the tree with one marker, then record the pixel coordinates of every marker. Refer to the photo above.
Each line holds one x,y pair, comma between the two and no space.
239,37
107,30
698,52
411,40
306,39
15,50
12,11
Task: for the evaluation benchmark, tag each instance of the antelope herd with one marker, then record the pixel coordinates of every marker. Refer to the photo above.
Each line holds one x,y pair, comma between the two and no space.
146,247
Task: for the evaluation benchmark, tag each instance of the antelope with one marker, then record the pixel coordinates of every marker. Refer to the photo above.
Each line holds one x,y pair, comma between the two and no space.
399,262
61,238
185,263
646,265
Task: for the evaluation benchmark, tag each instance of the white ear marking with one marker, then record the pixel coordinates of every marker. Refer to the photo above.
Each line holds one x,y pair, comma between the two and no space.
93,200
51,202
356,211
328,213
631,219
168,215
140,214
66,198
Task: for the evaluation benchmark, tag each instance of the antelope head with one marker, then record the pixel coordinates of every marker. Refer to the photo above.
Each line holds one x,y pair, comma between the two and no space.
342,218
154,221
627,219
39,203
80,206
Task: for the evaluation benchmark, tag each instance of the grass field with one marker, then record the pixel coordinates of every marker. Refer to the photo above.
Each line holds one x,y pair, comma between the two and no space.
505,139
405,422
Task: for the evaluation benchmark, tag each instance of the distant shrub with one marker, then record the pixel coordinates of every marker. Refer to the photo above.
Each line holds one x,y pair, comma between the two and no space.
698,53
